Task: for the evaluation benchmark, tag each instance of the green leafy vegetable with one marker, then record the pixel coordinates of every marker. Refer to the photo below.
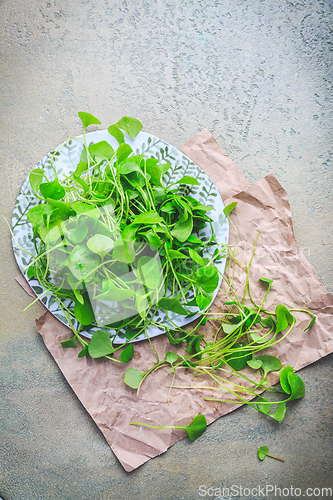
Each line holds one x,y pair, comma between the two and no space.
182,230
284,318
263,453
83,311
173,305
239,358
52,190
100,344
133,378
88,119
36,178
194,430
291,383
228,209
269,364
171,357
116,133
131,126
100,244
127,354
116,240
188,180
69,343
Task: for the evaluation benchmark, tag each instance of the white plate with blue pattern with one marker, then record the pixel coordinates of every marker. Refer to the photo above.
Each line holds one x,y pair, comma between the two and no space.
66,161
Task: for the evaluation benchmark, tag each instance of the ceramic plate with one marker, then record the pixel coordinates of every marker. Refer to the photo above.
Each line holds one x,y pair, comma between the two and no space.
66,162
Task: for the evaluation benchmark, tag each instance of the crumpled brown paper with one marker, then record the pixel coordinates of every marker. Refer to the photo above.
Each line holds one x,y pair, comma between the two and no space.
98,383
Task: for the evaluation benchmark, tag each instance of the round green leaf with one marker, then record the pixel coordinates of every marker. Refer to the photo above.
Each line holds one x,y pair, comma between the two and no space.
116,133
115,294
131,126
254,363
100,244
173,305
84,312
188,180
88,119
202,301
150,272
283,318
36,178
269,364
229,208
207,278
171,357
77,234
102,149
52,190
100,344
263,404
35,214
133,378
148,218
262,452
284,378
296,385
279,412
196,427
82,262
182,230
238,359
69,342
127,354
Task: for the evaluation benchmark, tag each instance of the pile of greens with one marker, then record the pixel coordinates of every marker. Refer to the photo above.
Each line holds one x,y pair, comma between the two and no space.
242,332
114,243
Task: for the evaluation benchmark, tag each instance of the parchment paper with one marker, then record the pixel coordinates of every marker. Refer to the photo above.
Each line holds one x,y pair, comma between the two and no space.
99,384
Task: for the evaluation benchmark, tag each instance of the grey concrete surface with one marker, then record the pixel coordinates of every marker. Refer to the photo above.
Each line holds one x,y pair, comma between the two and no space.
258,75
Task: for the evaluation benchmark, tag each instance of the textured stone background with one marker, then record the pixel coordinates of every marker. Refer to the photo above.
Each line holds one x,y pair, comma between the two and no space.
258,75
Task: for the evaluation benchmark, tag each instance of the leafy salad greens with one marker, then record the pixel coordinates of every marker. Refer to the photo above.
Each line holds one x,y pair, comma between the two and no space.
114,243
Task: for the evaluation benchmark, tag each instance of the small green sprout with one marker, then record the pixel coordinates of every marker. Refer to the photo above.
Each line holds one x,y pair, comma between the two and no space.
263,453
194,429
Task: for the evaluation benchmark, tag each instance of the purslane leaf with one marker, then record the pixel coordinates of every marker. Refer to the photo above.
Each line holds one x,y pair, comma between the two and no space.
102,149
84,312
127,354
88,119
116,133
148,218
150,272
100,344
69,343
52,190
182,230
173,305
207,278
133,378
190,181
196,257
284,318
229,208
238,359
36,178
100,244
123,151
131,126
35,214
269,364
171,357
82,262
